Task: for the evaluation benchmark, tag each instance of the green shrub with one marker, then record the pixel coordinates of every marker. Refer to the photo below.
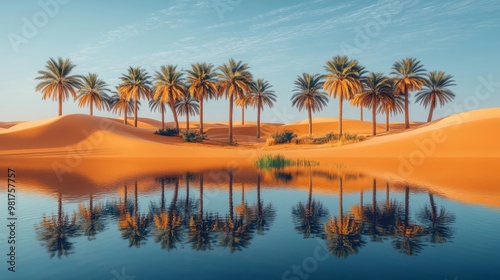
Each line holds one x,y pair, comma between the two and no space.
192,136
283,137
167,132
269,161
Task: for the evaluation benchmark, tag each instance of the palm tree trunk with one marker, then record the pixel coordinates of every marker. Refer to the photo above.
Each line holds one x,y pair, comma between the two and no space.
162,108
243,115
162,207
231,214
341,204
387,201
258,119
136,205
200,213
361,112
231,119
433,207
243,194
340,116
387,120
407,110
431,111
186,205
187,118
309,199
176,194
91,107
374,199
59,99
374,116
201,116
259,204
59,209
172,107
309,113
125,119
407,205
135,112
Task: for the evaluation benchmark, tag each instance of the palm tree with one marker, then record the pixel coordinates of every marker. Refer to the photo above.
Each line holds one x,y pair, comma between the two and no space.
308,217
260,96
234,82
343,80
243,103
375,89
437,223
155,105
134,227
135,85
436,89
54,232
56,82
90,219
264,214
355,103
343,233
168,224
169,87
202,85
308,95
119,104
234,233
187,105
408,74
92,91
391,104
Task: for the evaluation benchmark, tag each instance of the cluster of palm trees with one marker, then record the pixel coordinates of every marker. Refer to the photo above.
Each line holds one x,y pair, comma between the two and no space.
344,233
184,92
346,79
183,220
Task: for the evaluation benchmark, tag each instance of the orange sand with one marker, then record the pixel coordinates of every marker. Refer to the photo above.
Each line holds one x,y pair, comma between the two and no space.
457,156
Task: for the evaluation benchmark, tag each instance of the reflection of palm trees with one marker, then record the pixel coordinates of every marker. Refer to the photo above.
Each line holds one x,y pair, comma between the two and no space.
201,228
263,214
388,215
134,227
90,219
234,233
54,232
343,233
410,244
373,215
308,218
168,224
437,224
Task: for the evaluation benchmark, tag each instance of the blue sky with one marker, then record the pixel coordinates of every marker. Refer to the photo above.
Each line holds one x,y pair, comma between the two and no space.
278,39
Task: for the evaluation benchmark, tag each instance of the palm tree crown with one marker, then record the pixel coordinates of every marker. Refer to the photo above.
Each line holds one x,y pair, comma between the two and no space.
56,81
135,85
436,90
308,95
93,91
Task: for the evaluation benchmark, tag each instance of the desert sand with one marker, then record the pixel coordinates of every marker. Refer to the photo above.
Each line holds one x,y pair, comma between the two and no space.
457,156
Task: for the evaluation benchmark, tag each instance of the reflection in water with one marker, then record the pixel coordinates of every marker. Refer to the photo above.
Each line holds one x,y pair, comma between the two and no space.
55,232
343,233
135,226
182,221
308,217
